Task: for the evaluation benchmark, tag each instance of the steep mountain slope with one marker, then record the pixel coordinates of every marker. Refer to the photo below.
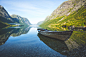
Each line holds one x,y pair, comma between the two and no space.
22,20
69,13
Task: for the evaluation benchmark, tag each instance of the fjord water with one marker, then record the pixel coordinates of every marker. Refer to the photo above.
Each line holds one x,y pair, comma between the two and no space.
27,42
24,42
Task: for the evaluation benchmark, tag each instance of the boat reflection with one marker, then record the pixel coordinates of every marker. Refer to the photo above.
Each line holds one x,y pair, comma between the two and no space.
56,45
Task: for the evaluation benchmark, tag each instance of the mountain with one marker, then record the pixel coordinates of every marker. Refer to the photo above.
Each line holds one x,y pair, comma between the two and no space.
22,20
69,13
5,18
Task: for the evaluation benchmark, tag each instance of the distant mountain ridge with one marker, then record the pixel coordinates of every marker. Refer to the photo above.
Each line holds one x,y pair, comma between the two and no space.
6,18
22,20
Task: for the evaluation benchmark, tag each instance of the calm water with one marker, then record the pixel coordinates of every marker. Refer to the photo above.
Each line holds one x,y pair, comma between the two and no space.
27,42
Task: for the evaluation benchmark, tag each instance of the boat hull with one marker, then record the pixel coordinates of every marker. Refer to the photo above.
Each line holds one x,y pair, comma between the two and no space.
64,35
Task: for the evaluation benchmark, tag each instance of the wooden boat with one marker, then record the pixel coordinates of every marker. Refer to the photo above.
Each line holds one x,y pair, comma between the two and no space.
61,35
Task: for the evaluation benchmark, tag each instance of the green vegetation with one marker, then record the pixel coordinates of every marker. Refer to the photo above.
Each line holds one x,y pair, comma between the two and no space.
49,23
2,24
5,25
77,18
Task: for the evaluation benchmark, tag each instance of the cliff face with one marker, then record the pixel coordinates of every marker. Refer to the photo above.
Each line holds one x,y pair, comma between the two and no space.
66,8
22,20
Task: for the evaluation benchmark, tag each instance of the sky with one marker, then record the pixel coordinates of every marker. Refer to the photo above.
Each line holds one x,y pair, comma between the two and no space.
33,10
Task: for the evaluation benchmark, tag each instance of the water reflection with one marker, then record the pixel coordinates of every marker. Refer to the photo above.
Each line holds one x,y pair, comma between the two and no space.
74,46
77,39
30,45
12,31
4,35
77,44
56,45
22,30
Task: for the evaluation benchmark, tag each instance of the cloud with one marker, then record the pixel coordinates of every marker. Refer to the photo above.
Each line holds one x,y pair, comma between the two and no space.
26,7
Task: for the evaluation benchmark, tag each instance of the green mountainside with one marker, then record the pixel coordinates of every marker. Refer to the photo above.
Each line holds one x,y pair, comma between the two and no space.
69,13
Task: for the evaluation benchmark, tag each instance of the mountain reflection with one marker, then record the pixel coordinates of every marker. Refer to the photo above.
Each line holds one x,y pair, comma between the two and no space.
22,30
12,31
5,34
